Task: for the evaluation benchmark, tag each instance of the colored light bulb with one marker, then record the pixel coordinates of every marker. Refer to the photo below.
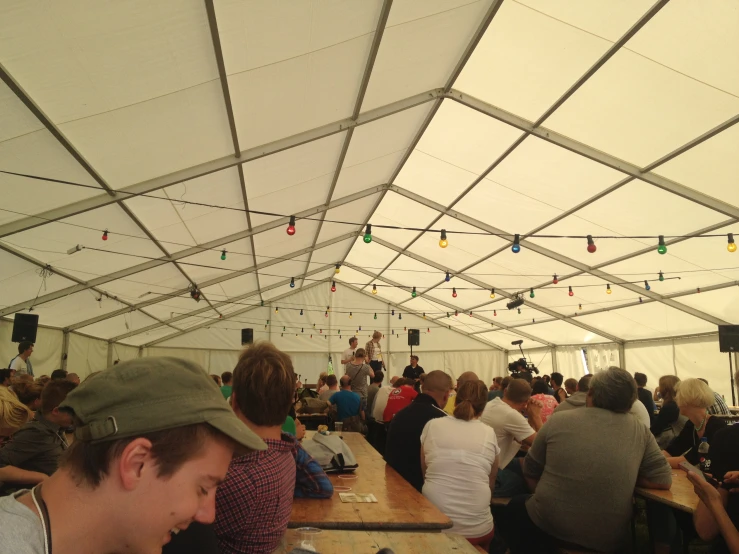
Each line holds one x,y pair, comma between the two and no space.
516,248
662,248
640,300
661,276
731,247
337,270
223,255
424,315
374,289
413,293
105,235
554,279
368,234
326,314
492,293
608,289
400,316
646,285
456,312
454,293
495,313
531,293
579,306
447,277
591,245
291,226
301,311
292,282
443,242
333,286
375,316
519,310
350,315
570,292
277,310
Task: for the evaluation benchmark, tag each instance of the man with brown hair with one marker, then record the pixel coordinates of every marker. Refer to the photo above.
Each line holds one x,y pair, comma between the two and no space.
38,445
403,444
145,462
333,386
255,501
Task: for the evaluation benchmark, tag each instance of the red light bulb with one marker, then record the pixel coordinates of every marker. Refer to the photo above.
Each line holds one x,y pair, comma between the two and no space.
554,279
291,226
571,293
333,286
105,235
591,245
454,293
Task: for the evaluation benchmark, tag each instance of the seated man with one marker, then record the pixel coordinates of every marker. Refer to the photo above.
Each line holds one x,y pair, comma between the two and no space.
333,386
512,430
400,397
375,385
38,445
254,503
580,397
349,409
583,466
127,482
403,444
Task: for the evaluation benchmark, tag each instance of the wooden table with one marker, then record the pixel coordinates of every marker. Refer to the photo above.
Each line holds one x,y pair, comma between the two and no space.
363,542
399,506
681,496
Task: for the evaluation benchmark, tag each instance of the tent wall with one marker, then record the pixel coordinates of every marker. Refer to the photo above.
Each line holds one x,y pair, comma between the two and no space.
692,357
86,355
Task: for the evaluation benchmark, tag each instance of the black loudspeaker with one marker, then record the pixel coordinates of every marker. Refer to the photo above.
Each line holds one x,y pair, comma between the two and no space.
414,337
247,336
728,338
24,327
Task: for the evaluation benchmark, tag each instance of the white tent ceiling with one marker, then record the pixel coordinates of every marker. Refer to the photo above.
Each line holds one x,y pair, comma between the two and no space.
184,128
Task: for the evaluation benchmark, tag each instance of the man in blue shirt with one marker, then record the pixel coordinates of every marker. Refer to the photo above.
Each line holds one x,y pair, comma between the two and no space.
347,403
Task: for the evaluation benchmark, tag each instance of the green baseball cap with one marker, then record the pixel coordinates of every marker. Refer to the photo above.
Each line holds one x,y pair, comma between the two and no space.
146,395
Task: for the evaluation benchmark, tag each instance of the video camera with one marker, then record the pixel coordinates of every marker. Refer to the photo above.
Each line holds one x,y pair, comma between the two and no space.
521,364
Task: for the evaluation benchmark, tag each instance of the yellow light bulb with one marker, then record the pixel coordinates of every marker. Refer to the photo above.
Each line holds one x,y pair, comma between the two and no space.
443,243
731,247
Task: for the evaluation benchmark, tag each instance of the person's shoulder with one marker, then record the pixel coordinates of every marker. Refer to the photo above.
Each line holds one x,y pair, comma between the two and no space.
21,531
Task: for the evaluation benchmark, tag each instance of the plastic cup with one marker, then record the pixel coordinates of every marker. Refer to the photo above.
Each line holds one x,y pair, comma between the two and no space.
339,428
308,537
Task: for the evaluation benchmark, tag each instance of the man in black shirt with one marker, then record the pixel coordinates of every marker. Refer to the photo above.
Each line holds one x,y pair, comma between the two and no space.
403,446
414,370
643,394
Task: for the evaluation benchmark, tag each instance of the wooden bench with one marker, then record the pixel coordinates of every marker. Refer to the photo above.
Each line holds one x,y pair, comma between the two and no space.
500,501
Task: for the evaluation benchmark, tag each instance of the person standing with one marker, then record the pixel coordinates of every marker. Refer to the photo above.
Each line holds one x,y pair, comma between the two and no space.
373,352
347,356
22,363
413,371
358,372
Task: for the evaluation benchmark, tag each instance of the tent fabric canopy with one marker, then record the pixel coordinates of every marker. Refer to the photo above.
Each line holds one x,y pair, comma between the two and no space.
185,129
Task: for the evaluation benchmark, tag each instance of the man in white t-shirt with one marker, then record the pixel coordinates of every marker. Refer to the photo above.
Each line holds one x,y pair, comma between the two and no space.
348,355
512,430
21,363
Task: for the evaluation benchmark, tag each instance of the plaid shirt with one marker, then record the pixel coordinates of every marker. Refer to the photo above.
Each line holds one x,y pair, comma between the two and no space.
719,406
370,348
254,503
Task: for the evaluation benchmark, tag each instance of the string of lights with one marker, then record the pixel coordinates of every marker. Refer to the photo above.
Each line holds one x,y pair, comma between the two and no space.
443,233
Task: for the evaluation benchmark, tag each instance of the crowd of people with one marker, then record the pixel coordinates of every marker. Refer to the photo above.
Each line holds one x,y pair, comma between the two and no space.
212,463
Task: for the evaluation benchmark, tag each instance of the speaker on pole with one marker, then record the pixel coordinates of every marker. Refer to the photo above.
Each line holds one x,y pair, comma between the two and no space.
414,337
247,336
25,327
728,338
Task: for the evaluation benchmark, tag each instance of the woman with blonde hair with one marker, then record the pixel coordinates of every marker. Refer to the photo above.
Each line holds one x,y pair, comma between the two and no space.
13,415
665,425
459,460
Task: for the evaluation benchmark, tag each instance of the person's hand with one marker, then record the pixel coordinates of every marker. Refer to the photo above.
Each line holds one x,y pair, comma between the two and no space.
299,430
705,490
534,407
731,479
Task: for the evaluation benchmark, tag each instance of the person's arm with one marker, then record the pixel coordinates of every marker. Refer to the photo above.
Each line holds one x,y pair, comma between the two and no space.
493,476
370,371
25,445
299,430
710,518
533,410
12,474
310,479
674,461
654,471
423,464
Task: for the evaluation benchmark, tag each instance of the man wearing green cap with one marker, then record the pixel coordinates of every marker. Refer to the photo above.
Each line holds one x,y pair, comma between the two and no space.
145,463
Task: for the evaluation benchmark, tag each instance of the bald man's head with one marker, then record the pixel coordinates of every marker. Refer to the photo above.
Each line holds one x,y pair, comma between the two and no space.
465,377
437,381
517,393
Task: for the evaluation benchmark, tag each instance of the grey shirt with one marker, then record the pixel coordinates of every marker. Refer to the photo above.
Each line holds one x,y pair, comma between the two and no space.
327,394
359,375
20,528
371,392
587,462
577,400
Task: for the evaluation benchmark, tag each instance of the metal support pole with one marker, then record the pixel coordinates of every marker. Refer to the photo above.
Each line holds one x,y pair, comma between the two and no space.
731,376
65,349
389,328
